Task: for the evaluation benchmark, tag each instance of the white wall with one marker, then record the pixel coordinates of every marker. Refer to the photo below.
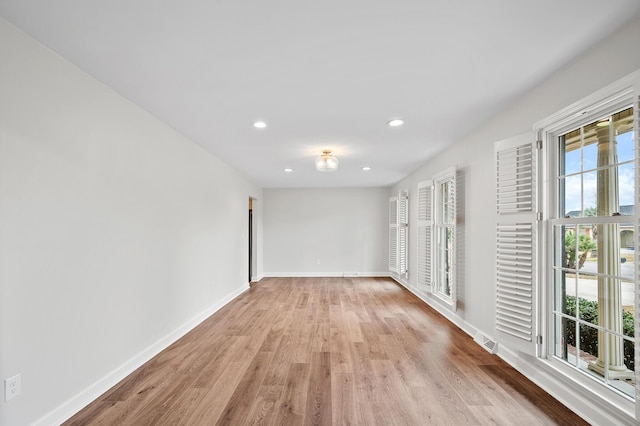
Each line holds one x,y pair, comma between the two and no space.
609,61
345,229
117,234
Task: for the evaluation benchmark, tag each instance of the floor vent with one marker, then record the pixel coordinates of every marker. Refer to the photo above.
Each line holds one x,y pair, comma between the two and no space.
486,343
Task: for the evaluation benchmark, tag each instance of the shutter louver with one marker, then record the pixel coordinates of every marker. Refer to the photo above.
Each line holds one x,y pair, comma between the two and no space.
516,243
514,280
453,219
425,229
515,180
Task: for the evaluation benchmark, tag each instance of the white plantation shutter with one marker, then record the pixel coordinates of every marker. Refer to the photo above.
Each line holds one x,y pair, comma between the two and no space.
516,243
398,232
393,234
403,231
425,233
452,220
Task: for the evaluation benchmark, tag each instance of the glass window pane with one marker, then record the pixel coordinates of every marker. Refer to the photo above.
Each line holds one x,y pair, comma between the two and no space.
565,343
590,135
559,254
590,193
569,247
446,197
587,248
623,129
590,155
572,188
628,349
570,147
626,189
588,345
587,303
565,293
625,146
444,260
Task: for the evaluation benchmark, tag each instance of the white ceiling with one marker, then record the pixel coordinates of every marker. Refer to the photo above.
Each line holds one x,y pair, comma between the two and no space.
322,74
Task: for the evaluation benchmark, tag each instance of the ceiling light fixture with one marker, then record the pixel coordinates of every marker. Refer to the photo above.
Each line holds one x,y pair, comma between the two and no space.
288,170
326,162
395,122
259,124
366,168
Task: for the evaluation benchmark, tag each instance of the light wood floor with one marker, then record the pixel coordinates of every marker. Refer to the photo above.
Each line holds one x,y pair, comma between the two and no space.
325,351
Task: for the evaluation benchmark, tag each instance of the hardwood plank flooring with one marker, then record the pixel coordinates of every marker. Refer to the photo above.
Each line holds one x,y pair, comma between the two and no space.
325,351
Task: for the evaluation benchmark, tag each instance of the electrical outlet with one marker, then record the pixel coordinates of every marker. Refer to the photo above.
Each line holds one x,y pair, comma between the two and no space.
11,387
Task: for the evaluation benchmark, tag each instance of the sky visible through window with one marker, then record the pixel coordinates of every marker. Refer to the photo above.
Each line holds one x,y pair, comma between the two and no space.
589,176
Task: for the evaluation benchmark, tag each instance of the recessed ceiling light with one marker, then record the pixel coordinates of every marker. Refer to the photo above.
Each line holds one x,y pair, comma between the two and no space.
366,168
288,170
259,124
395,122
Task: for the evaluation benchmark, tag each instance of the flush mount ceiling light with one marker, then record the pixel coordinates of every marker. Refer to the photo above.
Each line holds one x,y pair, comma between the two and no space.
326,162
259,124
366,168
287,170
395,122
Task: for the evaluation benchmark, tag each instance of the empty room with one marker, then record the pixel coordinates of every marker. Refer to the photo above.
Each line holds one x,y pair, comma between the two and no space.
332,213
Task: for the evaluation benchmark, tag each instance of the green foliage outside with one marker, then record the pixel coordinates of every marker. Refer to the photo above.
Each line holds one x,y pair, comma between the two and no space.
589,335
585,245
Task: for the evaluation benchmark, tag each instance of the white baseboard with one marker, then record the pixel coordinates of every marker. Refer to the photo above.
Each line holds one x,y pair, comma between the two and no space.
78,402
324,274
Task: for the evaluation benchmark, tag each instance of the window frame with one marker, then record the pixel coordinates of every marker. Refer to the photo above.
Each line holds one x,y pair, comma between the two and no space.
432,263
607,101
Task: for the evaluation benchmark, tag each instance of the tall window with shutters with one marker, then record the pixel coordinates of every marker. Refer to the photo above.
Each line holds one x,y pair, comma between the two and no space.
398,233
436,263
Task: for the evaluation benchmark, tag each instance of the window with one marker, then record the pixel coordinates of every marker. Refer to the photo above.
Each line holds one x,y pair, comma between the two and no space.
593,250
590,273
437,236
